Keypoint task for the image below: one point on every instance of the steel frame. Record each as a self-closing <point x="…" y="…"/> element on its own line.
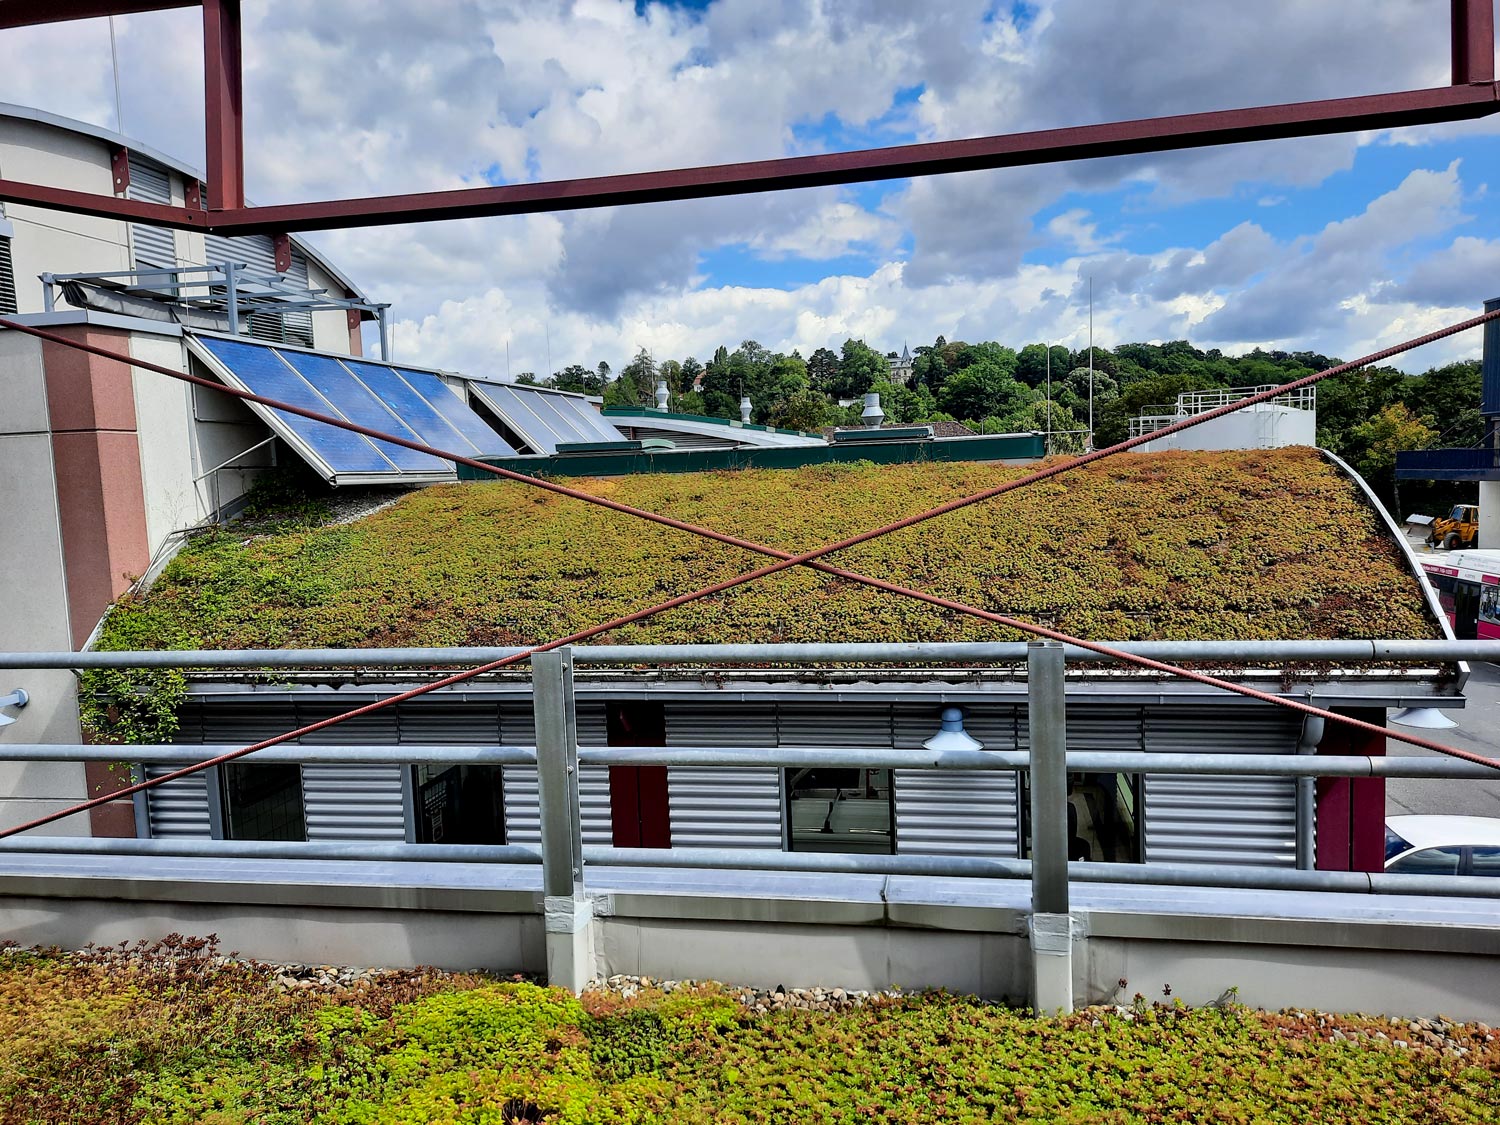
<point x="1472" y="93"/>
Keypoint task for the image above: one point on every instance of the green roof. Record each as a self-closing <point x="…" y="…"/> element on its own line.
<point x="1249" y="545"/>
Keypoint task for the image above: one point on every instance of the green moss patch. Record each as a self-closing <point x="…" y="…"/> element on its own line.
<point x="174" y="1037"/>
<point x="1257" y="545"/>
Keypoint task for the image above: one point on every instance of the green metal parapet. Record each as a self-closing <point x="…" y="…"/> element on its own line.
<point x="992" y="447"/>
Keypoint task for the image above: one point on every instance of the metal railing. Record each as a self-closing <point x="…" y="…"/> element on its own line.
<point x="557" y="755"/>
<point x="1189" y="403"/>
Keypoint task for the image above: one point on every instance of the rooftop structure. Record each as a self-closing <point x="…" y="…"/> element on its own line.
<point x="1285" y="420"/>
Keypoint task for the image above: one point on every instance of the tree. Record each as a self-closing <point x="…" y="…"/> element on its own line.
<point x="823" y="370"/>
<point x="579" y="379"/>
<point x="528" y="379"/>
<point x="691" y="370"/>
<point x="721" y="396"/>
<point x="640" y="373"/>
<point x="859" y="366"/>
<point x="901" y="404"/>
<point x="805" y="410"/>
<point x="982" y="389"/>
<point x="671" y="371"/>
<point x="1031" y="363"/>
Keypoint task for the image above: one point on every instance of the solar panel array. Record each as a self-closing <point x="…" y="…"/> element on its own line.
<point x="543" y="418"/>
<point x="415" y="405"/>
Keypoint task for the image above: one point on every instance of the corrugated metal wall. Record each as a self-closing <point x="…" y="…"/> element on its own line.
<point x="1235" y="820"/>
<point x="522" y="811"/>
<point x="154" y="247"/>
<point x="957" y="812"/>
<point x="258" y="252"/>
<point x="1243" y="820"/>
<point x="713" y="807"/>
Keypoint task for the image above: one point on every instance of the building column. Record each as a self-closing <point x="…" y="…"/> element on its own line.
<point x="1489" y="514"/>
<point x="1351" y="810"/>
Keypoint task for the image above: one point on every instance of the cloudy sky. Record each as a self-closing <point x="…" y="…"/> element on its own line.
<point x="1339" y="245"/>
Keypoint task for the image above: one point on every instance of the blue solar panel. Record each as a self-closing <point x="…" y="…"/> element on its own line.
<point x="262" y="372"/>
<point x="457" y="412"/>
<point x="356" y="403"/>
<point x="419" y="414"/>
<point x="545" y="418"/>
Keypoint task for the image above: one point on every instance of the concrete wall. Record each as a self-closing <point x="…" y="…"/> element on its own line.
<point x="50" y="241"/>
<point x="1489" y="514"/>
<point x="34" y="616"/>
<point x="330" y="326"/>
<point x="1258" y="427"/>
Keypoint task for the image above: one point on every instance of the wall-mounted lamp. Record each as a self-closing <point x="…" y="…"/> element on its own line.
<point x="1429" y="718"/>
<point x="951" y="735"/>
<point x="17" y="699"/>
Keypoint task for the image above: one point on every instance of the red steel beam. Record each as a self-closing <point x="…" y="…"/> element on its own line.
<point x="223" y="104"/>
<point x="105" y="206"/>
<point x="1121" y="138"/>
<point x="25" y="13"/>
<point x="1473" y="41"/>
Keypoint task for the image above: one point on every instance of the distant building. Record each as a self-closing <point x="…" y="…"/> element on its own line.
<point x="901" y="366"/>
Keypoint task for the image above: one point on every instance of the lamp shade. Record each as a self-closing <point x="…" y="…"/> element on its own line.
<point x="951" y="735"/>
<point x="1428" y="718"/>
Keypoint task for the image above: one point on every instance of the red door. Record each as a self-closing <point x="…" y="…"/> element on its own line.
<point x="639" y="817"/>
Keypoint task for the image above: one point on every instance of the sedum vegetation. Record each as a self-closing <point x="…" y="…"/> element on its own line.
<point x="173" y="1035"/>
<point x="1167" y="546"/>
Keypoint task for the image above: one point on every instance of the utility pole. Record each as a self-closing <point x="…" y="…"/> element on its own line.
<point x="1091" y="365"/>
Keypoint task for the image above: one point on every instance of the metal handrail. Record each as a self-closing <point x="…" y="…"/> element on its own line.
<point x="930" y="652"/>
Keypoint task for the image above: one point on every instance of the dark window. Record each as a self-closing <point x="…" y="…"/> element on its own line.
<point x="1429" y="861"/>
<point x="263" y="802"/>
<point x="1103" y="817"/>
<point x="459" y="805"/>
<point x="1486" y="861"/>
<point x="1394" y="845"/>
<point x="840" y="810"/>
<point x="7" y="279"/>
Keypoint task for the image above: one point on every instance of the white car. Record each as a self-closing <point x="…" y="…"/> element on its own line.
<point x="1442" y="845"/>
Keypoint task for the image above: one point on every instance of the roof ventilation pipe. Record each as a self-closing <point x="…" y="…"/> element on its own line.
<point x="951" y="735"/>
<point x="745" y="409"/>
<point x="661" y="395"/>
<point x="872" y="415"/>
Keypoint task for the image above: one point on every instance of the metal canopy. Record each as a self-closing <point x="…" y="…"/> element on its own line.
<point x="544" y="418"/>
<point x="415" y="405"/>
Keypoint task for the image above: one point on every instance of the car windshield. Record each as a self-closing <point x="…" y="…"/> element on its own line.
<point x="1394" y="845"/>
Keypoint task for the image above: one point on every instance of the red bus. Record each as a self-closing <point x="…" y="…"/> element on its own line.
<point x="1468" y="586"/>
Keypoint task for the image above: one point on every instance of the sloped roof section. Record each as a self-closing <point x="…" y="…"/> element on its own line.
<point x="1260" y="545"/>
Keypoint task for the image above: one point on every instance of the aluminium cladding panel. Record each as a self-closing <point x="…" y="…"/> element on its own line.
<point x="958" y="812"/>
<point x="522" y="806"/>
<point x="153" y="247"/>
<point x="682" y="439"/>
<point x="723" y="806"/>
<point x="1222" y="820"/>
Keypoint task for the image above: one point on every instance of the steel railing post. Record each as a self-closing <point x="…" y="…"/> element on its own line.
<point x="1051" y="923"/>
<point x="569" y="915"/>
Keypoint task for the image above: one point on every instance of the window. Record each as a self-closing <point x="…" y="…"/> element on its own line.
<point x="840" y="810"/>
<point x="459" y="804"/>
<point x="1429" y="861"/>
<point x="1485" y="861"/>
<point x="1489" y="604"/>
<point x="263" y="802"/>
<point x="1103" y="817"/>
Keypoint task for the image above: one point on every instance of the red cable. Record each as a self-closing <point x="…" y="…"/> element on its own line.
<point x="787" y="560"/>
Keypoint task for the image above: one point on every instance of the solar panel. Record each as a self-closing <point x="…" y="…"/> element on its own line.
<point x="544" y="418"/>
<point x="260" y="370"/>
<point x="356" y="402"/>
<point x="404" y="403"/>
<point x="457" y="413"/>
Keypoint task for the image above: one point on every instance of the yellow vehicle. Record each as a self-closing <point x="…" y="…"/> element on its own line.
<point x="1459" y="528"/>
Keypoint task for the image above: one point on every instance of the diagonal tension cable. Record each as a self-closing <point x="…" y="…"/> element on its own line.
<point x="787" y="559"/>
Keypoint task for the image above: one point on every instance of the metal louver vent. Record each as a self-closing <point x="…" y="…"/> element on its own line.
<point x="179" y="808"/>
<point x="7" y="279"/>
<point x="522" y="807"/>
<point x="717" y="806"/>
<point x="154" y="247"/>
<point x="957" y="812"/>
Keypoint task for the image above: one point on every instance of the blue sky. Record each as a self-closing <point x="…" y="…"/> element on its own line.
<point x="1339" y="244"/>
